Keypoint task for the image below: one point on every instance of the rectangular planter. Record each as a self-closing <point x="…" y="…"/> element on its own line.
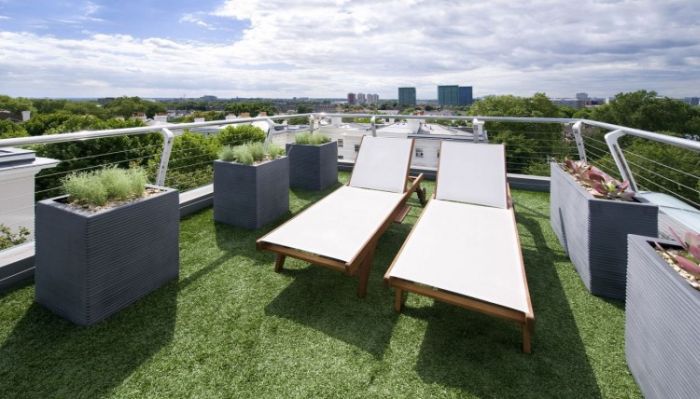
<point x="251" y="196"/>
<point x="313" y="167"/>
<point x="594" y="232"/>
<point x="90" y="265"/>
<point x="662" y="316"/>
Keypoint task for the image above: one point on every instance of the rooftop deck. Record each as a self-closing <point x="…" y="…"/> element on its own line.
<point x="231" y="327"/>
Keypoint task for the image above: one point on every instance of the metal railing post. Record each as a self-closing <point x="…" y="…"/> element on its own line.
<point x="168" y="140"/>
<point x="478" y="128"/>
<point x="620" y="161"/>
<point x="270" y="128"/>
<point x="577" y="128"/>
<point x="373" y="124"/>
<point x="312" y="122"/>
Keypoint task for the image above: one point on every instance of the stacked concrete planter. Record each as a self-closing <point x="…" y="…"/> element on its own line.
<point x="661" y="325"/>
<point x="90" y="265"/>
<point x="594" y="232"/>
<point x="313" y="167"/>
<point x="251" y="196"/>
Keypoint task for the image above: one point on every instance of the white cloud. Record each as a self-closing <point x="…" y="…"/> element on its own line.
<point x="194" y="19"/>
<point x="4" y="17"/>
<point x="324" y="48"/>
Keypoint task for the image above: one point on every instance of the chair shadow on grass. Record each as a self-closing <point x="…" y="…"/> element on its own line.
<point x="45" y="356"/>
<point x="327" y="301"/>
<point x="481" y="354"/>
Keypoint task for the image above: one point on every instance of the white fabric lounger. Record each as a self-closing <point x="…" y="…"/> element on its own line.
<point x="341" y="230"/>
<point x="465" y="248"/>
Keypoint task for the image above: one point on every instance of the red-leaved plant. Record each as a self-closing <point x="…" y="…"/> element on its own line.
<point x="601" y="184"/>
<point x="690" y="260"/>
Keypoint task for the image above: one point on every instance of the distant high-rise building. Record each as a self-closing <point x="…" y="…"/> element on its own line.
<point x="448" y="95"/>
<point x="582" y="96"/>
<point x="351" y="98"/>
<point x="372" y="99"/>
<point x="465" y="95"/>
<point x="692" y="100"/>
<point x="407" y="96"/>
<point x="361" y="99"/>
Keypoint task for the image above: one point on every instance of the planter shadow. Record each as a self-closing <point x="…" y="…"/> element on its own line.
<point x="594" y="232"/>
<point x="45" y="356"/>
<point x="481" y="355"/>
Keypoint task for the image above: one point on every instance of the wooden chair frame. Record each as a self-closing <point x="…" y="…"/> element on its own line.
<point x="526" y="320"/>
<point x="361" y="263"/>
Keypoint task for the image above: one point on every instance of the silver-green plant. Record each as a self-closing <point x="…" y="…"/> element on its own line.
<point x="250" y="153"/>
<point x="275" y="151"/>
<point x="227" y="154"/>
<point x="257" y="150"/>
<point x="106" y="185"/>
<point x="311" y="139"/>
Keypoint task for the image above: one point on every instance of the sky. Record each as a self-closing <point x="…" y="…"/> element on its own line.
<point x="327" y="48"/>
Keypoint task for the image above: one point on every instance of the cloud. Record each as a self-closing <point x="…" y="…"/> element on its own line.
<point x="325" y="48"/>
<point x="4" y="18"/>
<point x="197" y="20"/>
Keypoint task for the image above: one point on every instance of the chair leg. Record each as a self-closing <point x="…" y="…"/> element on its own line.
<point x="279" y="263"/>
<point x="398" y="299"/>
<point x="527" y="336"/>
<point x="363" y="274"/>
<point x="421" y="195"/>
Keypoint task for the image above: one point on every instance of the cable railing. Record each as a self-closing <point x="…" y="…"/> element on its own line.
<point x="531" y="143"/>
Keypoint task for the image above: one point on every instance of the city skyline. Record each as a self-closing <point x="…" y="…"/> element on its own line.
<point x="276" y="49"/>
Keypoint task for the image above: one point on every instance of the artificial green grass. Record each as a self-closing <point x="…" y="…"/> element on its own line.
<point x="231" y="327"/>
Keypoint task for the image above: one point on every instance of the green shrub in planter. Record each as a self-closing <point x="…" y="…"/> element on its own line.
<point x="313" y="162"/>
<point x="109" y="242"/>
<point x="251" y="185"/>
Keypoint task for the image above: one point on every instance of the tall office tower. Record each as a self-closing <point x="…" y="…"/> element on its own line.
<point x="448" y="95"/>
<point x="465" y="95"/>
<point x="351" y="98"/>
<point x="407" y="96"/>
<point x="361" y="99"/>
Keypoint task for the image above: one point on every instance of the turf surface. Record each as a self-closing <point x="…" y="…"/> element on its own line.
<point x="231" y="327"/>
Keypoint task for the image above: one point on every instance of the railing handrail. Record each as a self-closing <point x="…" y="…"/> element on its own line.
<point x="96" y="134"/>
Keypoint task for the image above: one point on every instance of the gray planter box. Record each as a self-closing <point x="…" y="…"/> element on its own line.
<point x="594" y="232"/>
<point x="661" y="325"/>
<point x="251" y="196"/>
<point x="90" y="265"/>
<point x="313" y="167"/>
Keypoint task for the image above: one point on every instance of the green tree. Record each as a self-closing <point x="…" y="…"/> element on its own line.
<point x="16" y="105"/>
<point x="529" y="145"/>
<point x="646" y="110"/>
<point x="253" y="108"/>
<point x="127" y="106"/>
<point x="9" y="129"/>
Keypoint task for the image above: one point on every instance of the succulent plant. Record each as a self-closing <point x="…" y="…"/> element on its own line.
<point x="576" y="168"/>
<point x="603" y="185"/>
<point x="609" y="187"/>
<point x="690" y="261"/>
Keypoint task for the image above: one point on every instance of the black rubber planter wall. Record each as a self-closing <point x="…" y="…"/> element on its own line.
<point x="251" y="196"/>
<point x="661" y="325"/>
<point x="313" y="167"/>
<point x="594" y="232"/>
<point x="91" y="265"/>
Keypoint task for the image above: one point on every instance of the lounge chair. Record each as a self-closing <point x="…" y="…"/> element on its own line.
<point x="464" y="249"/>
<point x="341" y="231"/>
